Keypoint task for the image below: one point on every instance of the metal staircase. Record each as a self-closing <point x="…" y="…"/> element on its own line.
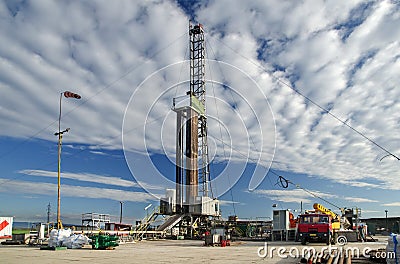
<point x="170" y="222"/>
<point x="141" y="229"/>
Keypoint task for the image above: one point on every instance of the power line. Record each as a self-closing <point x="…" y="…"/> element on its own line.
<point x="103" y="144"/>
<point x="283" y="182"/>
<point x="112" y="83"/>
<point x="238" y="109"/>
<point x="281" y="178"/>
<point x="313" y="102"/>
<point x="223" y="145"/>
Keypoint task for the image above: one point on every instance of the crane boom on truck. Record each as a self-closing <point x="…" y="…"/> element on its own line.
<point x="335" y="217"/>
<point x="322" y="209"/>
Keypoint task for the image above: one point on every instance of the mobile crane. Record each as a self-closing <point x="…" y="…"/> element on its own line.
<point x="324" y="225"/>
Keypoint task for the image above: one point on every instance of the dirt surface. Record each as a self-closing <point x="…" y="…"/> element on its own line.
<point x="171" y="251"/>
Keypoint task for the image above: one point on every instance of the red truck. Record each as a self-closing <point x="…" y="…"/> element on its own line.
<point x="314" y="227"/>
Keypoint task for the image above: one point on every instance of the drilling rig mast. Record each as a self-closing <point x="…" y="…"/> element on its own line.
<point x="192" y="180"/>
<point x="198" y="91"/>
<point x="191" y="198"/>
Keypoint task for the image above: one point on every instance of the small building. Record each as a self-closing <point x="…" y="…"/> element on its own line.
<point x="382" y="225"/>
<point x="284" y="225"/>
<point x="95" y="221"/>
<point x="118" y="227"/>
<point x="6" y="224"/>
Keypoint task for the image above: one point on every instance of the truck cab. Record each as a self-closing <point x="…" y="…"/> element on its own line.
<point x="315" y="227"/>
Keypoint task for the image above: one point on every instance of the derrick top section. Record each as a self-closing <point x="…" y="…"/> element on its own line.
<point x="197" y="88"/>
<point x="197" y="63"/>
<point x="196" y="29"/>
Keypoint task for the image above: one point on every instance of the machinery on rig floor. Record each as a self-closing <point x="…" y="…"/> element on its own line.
<point x="324" y="225"/>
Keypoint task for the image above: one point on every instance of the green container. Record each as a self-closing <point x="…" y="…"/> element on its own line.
<point x="104" y="241"/>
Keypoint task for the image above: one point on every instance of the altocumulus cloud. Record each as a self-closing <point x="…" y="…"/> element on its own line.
<point x="104" y="50"/>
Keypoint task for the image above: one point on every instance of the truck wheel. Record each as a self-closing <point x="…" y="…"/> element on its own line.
<point x="303" y="241"/>
<point x="334" y="238"/>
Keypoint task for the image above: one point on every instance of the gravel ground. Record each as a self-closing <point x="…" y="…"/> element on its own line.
<point x="171" y="251"/>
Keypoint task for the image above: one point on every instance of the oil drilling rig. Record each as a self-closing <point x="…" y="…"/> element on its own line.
<point x="191" y="205"/>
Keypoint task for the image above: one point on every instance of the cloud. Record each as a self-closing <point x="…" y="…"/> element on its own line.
<point x="95" y="52"/>
<point x="99" y="153"/>
<point x="104" y="51"/>
<point x="359" y="184"/>
<point x="392" y="204"/>
<point x="291" y="196"/>
<point x="34" y="188"/>
<point x="337" y="74"/>
<point x="227" y="202"/>
<point x="360" y="200"/>
<point x="370" y="211"/>
<point x="89" y="177"/>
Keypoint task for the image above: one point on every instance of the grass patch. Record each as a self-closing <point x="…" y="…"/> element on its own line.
<point x="20" y="231"/>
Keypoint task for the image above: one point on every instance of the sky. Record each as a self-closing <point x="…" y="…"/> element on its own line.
<point x="306" y="90"/>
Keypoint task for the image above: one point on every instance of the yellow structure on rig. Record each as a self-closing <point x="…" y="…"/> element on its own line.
<point x="335" y="217"/>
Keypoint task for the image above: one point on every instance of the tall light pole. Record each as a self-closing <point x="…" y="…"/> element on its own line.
<point x="120" y="213"/>
<point x="386" y="211"/>
<point x="67" y="94"/>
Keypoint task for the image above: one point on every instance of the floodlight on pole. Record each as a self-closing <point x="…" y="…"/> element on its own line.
<point x="146" y="208"/>
<point x="60" y="133"/>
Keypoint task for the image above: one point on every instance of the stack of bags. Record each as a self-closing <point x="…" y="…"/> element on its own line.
<point x="65" y="238"/>
<point x="57" y="236"/>
<point x="76" y="241"/>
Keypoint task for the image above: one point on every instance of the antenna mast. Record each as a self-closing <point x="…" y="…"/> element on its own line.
<point x="48" y="212"/>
